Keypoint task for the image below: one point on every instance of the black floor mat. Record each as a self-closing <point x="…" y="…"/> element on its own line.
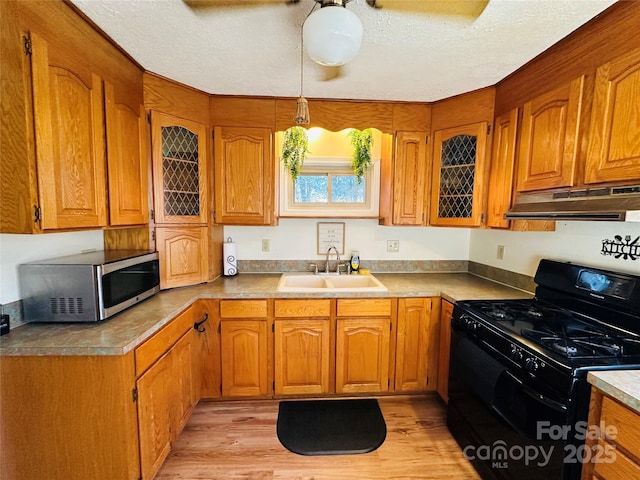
<point x="331" y="427"/>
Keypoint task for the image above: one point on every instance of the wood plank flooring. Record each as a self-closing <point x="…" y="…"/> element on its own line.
<point x="237" y="440"/>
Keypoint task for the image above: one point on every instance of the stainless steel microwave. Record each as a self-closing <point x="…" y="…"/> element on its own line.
<point x="88" y="287"/>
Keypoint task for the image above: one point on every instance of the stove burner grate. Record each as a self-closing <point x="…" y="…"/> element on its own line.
<point x="600" y="345"/>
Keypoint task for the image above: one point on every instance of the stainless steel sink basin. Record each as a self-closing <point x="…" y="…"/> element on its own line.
<point x="305" y="282"/>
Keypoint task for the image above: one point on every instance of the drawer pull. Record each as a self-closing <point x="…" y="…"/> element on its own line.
<point x="198" y="325"/>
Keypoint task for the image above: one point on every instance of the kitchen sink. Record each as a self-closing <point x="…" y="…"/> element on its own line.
<point x="305" y="282"/>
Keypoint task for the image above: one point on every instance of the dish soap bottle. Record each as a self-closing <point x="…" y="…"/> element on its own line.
<point x="355" y="262"/>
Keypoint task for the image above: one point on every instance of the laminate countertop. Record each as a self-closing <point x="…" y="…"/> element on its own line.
<point x="123" y="332"/>
<point x="623" y="385"/>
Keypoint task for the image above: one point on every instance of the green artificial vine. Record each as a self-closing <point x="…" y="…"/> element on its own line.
<point x="361" y="141"/>
<point x="295" y="148"/>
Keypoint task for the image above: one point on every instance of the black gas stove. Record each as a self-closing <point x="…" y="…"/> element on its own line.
<point x="565" y="336"/>
<point x="518" y="367"/>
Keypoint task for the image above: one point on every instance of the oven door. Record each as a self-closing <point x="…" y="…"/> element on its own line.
<point x="495" y="416"/>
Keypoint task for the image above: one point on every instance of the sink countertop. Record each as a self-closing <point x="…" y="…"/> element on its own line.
<point x="123" y="332"/>
<point x="623" y="385"/>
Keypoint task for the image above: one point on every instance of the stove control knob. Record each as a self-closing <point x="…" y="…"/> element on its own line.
<point x="516" y="353"/>
<point x="531" y="364"/>
<point x="468" y="322"/>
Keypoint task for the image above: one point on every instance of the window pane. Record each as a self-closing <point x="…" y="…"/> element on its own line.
<point x="345" y="189"/>
<point x="311" y="189"/>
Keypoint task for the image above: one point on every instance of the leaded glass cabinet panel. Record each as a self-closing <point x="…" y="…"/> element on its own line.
<point x="179" y="168"/>
<point x="459" y="175"/>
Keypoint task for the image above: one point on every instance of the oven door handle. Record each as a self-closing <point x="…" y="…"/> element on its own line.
<point x="538" y="396"/>
<point x="506" y="420"/>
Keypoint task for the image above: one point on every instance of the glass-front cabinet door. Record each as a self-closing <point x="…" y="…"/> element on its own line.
<point x="179" y="169"/>
<point x="459" y="175"/>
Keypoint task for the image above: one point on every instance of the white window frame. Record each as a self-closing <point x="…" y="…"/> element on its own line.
<point x="336" y="166"/>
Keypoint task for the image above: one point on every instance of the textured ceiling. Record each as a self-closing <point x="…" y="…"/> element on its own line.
<point x="404" y="56"/>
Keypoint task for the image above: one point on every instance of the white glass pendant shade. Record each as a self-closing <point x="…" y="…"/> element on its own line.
<point x="332" y="36"/>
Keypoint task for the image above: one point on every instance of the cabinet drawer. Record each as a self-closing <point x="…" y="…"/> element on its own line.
<point x="243" y="308"/>
<point x="625" y="421"/>
<point x="360" y="307"/>
<point x="147" y="353"/>
<point x="622" y="468"/>
<point x="303" y="308"/>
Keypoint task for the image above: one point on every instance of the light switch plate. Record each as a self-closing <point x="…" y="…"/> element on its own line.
<point x="393" y="245"/>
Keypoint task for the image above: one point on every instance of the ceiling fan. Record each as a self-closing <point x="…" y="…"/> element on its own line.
<point x="332" y="34"/>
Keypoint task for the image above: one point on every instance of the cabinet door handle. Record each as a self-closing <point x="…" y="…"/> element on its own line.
<point x="198" y="325"/>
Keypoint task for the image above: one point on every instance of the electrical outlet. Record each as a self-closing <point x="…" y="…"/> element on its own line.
<point x="500" y="252"/>
<point x="393" y="245"/>
<point x="266" y="245"/>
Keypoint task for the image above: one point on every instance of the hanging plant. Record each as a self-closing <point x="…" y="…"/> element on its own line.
<point x="361" y="141"/>
<point x="295" y="148"/>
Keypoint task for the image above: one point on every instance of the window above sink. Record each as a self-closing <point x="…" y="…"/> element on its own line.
<point x="326" y="185"/>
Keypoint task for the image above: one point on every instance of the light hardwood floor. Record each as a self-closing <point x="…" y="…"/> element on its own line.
<point x="237" y="440"/>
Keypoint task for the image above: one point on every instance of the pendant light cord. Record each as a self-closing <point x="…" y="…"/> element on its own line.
<point x="315" y="4"/>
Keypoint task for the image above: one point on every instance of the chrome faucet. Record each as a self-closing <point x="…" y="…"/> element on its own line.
<point x="326" y="265"/>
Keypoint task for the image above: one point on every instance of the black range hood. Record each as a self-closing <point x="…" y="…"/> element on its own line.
<point x="617" y="204"/>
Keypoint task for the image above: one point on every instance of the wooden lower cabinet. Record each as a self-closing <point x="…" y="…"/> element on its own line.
<point x="319" y="347"/>
<point x="362" y="355"/>
<point x="415" y="346"/>
<point x="165" y="391"/>
<point x="206" y="350"/>
<point x="165" y="401"/>
<point x="614" y="453"/>
<point x="182" y="383"/>
<point x="68" y="417"/>
<point x="153" y="416"/>
<point x="363" y="329"/>
<point x="244" y="358"/>
<point x="302" y="347"/>
<point x="446" y="311"/>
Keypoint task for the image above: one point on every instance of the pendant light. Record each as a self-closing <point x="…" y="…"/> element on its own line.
<point x="302" y="106"/>
<point x="332" y="34"/>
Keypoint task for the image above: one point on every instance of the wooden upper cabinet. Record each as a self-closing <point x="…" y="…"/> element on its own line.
<point x="127" y="161"/>
<point x="70" y="145"/>
<point x="244" y="176"/>
<point x="549" y="141"/>
<point x="179" y="169"/>
<point x="614" y="146"/>
<point x="183" y="253"/>
<point x="410" y="179"/>
<point x="501" y="175"/>
<point x="459" y="175"/>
